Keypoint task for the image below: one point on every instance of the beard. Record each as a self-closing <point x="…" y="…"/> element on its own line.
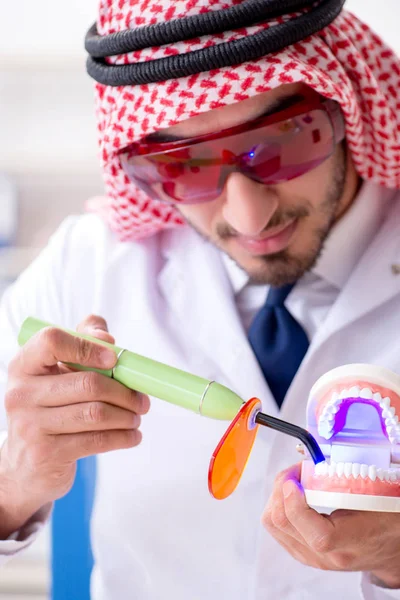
<point x="283" y="267"/>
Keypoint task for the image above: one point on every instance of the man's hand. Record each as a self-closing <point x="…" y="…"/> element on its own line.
<point x="344" y="541"/>
<point x="57" y="415"/>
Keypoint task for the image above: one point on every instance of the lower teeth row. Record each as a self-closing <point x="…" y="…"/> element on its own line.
<point x="356" y="470"/>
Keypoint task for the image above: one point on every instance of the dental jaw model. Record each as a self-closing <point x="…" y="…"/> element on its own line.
<point x="353" y="413"/>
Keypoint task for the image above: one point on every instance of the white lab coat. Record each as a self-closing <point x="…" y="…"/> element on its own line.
<point x="157" y="532"/>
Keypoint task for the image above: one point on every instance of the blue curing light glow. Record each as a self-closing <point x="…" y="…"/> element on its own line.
<point x="317" y="454"/>
<point x="252" y="154"/>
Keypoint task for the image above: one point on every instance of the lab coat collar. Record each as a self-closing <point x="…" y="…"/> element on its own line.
<point x="198" y="290"/>
<point x="374" y="280"/>
<point x="350" y="236"/>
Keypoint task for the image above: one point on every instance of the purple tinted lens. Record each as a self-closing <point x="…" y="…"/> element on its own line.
<point x="271" y="154"/>
<point x="190" y="194"/>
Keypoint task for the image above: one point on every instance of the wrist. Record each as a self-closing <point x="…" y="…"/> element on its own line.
<point x="16" y="508"/>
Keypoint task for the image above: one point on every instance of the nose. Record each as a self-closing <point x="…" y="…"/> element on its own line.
<point x="248" y="205"/>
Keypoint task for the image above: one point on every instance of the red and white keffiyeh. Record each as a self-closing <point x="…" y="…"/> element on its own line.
<point x="346" y="62"/>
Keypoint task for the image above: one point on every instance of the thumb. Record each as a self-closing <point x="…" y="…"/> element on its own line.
<point x="96" y="327"/>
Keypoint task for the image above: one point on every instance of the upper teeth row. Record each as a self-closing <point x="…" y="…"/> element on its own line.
<point x="356" y="469"/>
<point x="326" y="424"/>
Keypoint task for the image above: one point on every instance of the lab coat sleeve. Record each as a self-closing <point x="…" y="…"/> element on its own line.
<point x="24" y="537"/>
<point x="374" y="592"/>
<point x="37" y="292"/>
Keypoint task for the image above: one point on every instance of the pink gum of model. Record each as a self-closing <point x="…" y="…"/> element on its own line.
<point x="353" y="413"/>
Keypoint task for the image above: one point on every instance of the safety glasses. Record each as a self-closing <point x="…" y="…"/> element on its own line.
<point x="233" y="451"/>
<point x="269" y="150"/>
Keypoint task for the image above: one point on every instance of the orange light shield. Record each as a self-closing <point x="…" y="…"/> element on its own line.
<point x="232" y="453"/>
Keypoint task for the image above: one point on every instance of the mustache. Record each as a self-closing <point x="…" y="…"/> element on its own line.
<point x="225" y="231"/>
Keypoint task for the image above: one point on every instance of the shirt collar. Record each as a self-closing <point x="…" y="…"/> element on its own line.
<point x="345" y="244"/>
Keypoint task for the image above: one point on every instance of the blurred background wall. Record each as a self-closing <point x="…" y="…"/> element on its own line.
<point x="48" y="152"/>
<point x="46" y="112"/>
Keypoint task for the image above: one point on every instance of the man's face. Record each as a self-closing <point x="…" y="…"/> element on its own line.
<point x="274" y="232"/>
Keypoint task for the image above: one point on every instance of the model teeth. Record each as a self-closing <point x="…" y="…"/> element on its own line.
<point x="387" y="413"/>
<point x="356" y="470"/>
<point x="326" y="424"/>
<point x="354" y="392"/>
<point x="340" y="469"/>
<point x="347" y="470"/>
<point x="392" y="420"/>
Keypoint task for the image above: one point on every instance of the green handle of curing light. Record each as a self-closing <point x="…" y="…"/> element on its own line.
<point x="210" y="399"/>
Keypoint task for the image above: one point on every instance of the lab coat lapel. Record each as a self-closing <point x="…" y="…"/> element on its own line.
<point x="374" y="281"/>
<point x="196" y="287"/>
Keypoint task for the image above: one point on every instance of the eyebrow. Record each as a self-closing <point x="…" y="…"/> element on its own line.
<point x="278" y="105"/>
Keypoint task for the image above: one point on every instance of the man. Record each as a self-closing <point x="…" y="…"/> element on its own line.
<point x="254" y="157"/>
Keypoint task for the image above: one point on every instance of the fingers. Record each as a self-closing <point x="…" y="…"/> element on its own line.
<point x="81" y="445"/>
<point x="289" y="519"/>
<point x="44" y="350"/>
<point x="274" y="517"/>
<point x="317" y="530"/>
<point x="86" y="386"/>
<point x="344" y="541"/>
<point x="88" y="416"/>
<point x="96" y="327"/>
<point x="298" y="551"/>
<point x="58" y="414"/>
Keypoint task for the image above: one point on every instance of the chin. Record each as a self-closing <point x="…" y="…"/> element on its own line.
<point x="283" y="268"/>
<point x="255" y="267"/>
<point x="276" y="270"/>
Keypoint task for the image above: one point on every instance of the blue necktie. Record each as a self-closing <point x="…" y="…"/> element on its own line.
<point x="278" y="341"/>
